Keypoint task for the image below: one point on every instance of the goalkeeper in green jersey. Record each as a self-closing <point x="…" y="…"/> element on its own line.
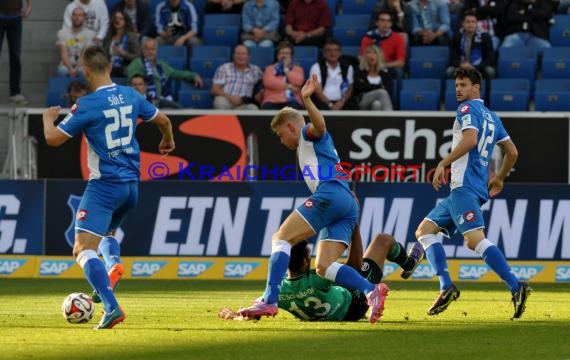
<point x="310" y="297"/>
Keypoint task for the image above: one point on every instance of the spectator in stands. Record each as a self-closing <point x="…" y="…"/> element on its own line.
<point x="527" y="23"/>
<point x="177" y="23"/>
<point x="472" y="47"/>
<point x="158" y="73"/>
<point x="121" y="43"/>
<point x="336" y="77"/>
<point x="72" y="41"/>
<point x="563" y="7"/>
<point x="260" y="22"/>
<point x="372" y="83"/>
<point x="235" y="82"/>
<point x="138" y="12"/>
<point x="431" y="23"/>
<point x="400" y="13"/>
<point x="11" y="14"/>
<point x="282" y="81"/>
<point x="307" y="22"/>
<point x="75" y="90"/>
<point x="96" y="17"/>
<point x="224" y="6"/>
<point x="138" y="82"/>
<point x="393" y="48"/>
<point x="490" y="14"/>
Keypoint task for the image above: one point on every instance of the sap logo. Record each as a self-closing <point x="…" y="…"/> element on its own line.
<point x="472" y="272"/>
<point x="388" y="269"/>
<point x="239" y="269"/>
<point x="192" y="269"/>
<point x="9" y="266"/>
<point x="55" y="267"/>
<point x="563" y="273"/>
<point x="146" y="268"/>
<point x="526" y="272"/>
<point x="423" y="272"/>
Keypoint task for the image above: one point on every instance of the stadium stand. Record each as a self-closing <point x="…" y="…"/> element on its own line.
<point x="420" y="94"/>
<point x="510" y="94"/>
<point x="552" y="95"/>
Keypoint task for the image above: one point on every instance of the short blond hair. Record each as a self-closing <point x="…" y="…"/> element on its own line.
<point x="284" y="115"/>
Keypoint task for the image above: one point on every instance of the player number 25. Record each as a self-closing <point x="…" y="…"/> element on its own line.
<point x="121" y="119"/>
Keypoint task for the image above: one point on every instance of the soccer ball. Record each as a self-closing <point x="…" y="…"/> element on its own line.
<point x="77" y="308"/>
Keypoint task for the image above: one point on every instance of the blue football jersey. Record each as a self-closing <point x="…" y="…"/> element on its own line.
<point x="318" y="160"/>
<point x="108" y="118"/>
<point x="472" y="169"/>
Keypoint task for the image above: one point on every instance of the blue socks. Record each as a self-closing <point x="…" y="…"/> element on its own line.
<point x="97" y="276"/>
<point x="111" y="251"/>
<point x="436" y="257"/>
<point x="349" y="278"/>
<point x="278" y="263"/>
<point x="497" y="262"/>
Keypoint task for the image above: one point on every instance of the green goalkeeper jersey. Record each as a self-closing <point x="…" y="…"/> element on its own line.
<point x="312" y="298"/>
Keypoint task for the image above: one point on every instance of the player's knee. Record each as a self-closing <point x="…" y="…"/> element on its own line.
<point x="384" y="240"/>
<point x="321" y="268"/>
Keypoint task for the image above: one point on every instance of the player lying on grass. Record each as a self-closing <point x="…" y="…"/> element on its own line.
<point x="310" y="297"/>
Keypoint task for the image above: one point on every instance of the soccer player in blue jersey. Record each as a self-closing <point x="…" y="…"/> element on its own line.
<point x="476" y="130"/>
<point x="108" y="118"/>
<point x="331" y="211"/>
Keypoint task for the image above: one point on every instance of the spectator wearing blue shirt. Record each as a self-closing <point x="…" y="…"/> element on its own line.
<point x="177" y="23"/>
<point x="260" y="22"/>
<point x="430" y="22"/>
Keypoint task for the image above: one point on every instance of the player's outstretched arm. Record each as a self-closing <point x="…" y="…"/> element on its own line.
<point x="317" y="127"/>
<point x="509" y="160"/>
<point x="54" y="136"/>
<point x="166" y="145"/>
<point x="468" y="142"/>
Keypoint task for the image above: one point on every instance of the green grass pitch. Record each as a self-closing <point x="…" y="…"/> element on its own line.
<point x="178" y="320"/>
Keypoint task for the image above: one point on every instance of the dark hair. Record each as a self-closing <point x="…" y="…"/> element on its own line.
<point x="129" y="26"/>
<point x="383" y="12"/>
<point x="283" y="45"/>
<point x="299" y="253"/>
<point x="138" y="76"/>
<point x="95" y="58"/>
<point x="470" y="73"/>
<point x="468" y="13"/>
<point x="332" y="41"/>
<point x="76" y="85"/>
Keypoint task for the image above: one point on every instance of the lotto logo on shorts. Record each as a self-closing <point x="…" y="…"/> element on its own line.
<point x="469" y="216"/>
<point x="309" y="203"/>
<point x="82" y="214"/>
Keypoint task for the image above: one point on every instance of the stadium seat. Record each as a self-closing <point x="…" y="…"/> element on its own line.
<point x="196" y="99"/>
<point x="351" y="50"/>
<point x="552" y="95"/>
<point x="351" y="19"/>
<point x="420" y="94"/>
<point x="559" y="35"/>
<point x="262" y="56"/>
<point x="561" y="20"/>
<point x="306" y="64"/>
<point x="509" y="94"/>
<point x="428" y="61"/>
<point x="212" y="52"/>
<point x="518" y="62"/>
<point x="222" y="20"/>
<point x="332" y="5"/>
<point x="306" y="52"/>
<point x="58" y="82"/>
<point x="56" y="97"/>
<point x="358" y="7"/>
<point x="170" y="51"/>
<point x="349" y="35"/>
<point x="556" y="63"/>
<point x="206" y="67"/>
<point x="221" y="35"/>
